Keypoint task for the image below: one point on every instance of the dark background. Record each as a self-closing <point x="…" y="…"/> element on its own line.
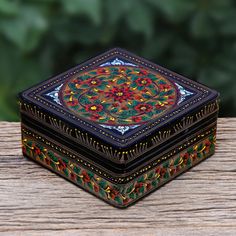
<point x="41" y="38"/>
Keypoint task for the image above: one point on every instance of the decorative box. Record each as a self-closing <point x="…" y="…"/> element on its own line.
<point x="118" y="126"/>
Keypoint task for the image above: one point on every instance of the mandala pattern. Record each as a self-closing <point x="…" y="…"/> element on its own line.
<point x="118" y="95"/>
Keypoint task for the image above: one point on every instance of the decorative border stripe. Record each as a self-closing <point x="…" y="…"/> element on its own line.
<point x="116" y="194"/>
<point x="114" y="177"/>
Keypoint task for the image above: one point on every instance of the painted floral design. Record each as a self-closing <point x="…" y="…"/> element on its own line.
<point x="120" y="195"/>
<point x="118" y="95"/>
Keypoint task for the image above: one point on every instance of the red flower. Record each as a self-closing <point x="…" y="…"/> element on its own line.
<point x="194" y="157"/>
<point x="24" y="149"/>
<point x="159" y="107"/>
<point x="95" y="117"/>
<point x="61" y="165"/>
<point x="96" y="188"/>
<point x="138" y="97"/>
<point x="143" y="81"/>
<point x="94" y="97"/>
<point x="93" y="82"/>
<point x="185" y="158"/>
<point x="48" y="161"/>
<point x="164" y="86"/>
<point x="67" y="91"/>
<point x="94" y="108"/>
<point x="207" y="143"/>
<point x="113" y="193"/>
<point x="72" y="176"/>
<point x="136" y="119"/>
<point x="76" y="81"/>
<point x="172" y="170"/>
<point x="122" y="69"/>
<point x="162" y="172"/>
<point x="143" y="72"/>
<point x="148" y="187"/>
<point x="170" y="102"/>
<point x="137" y="187"/>
<point x="37" y="150"/>
<point x="101" y="71"/>
<point x="120" y="94"/>
<point x="111" y="122"/>
<point x="85" y="177"/>
<point x="158" y="169"/>
<point x="125" y="201"/>
<point x="143" y="107"/>
<point x="124" y="108"/>
<point x="73" y="103"/>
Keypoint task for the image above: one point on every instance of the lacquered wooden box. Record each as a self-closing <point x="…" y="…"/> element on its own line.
<point x="118" y="126"/>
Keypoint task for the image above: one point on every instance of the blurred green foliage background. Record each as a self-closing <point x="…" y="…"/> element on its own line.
<point x="41" y="38"/>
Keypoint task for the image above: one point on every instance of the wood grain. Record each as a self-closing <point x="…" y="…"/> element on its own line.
<point x="34" y="201"/>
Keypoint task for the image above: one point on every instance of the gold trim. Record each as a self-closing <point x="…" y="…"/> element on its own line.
<point x="116" y="154"/>
<point x="210" y="129"/>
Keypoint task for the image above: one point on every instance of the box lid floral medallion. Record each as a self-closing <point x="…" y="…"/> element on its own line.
<point x="118" y="97"/>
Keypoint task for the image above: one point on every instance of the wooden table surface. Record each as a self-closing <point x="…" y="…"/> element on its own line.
<point x="34" y="201"/>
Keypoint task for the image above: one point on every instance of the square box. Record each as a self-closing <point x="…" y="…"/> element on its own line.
<point x="118" y="126"/>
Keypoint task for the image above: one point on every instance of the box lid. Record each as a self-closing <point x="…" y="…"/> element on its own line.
<point x="119" y="99"/>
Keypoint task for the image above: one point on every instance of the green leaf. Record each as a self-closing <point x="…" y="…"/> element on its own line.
<point x="144" y="118"/>
<point x="140" y="19"/>
<point x="190" y="150"/>
<point x="132" y="195"/>
<point x="121" y="81"/>
<point x="151" y="175"/>
<point x="118" y="200"/>
<point x="66" y="172"/>
<point x="64" y="159"/>
<point x="85" y="100"/>
<point x="55" y="159"/>
<point x="129" y="189"/>
<point x="8" y="7"/>
<point x="166" y="164"/>
<point x="90" y="8"/>
<point x="79" y="180"/>
<point x="90" y="185"/>
<point x="174" y="11"/>
<point x="142" y="189"/>
<point x="120" y="12"/>
<point x="53" y="165"/>
<point x="102" y="193"/>
<point x="91" y="175"/>
<point x="103" y="184"/>
<point x="202" y="26"/>
<point x="26" y="29"/>
<point x="176" y="162"/>
<point x="140" y="179"/>
<point x="200" y="146"/>
<point x="114" y="110"/>
<point x="189" y="162"/>
<point x="76" y="169"/>
<point x="154" y="183"/>
<point x="166" y="175"/>
<point x="41" y="157"/>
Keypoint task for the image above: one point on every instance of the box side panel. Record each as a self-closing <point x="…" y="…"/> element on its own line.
<point x="119" y="195"/>
<point x="119" y="156"/>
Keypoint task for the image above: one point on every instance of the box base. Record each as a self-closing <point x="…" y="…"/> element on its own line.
<point x="120" y="195"/>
